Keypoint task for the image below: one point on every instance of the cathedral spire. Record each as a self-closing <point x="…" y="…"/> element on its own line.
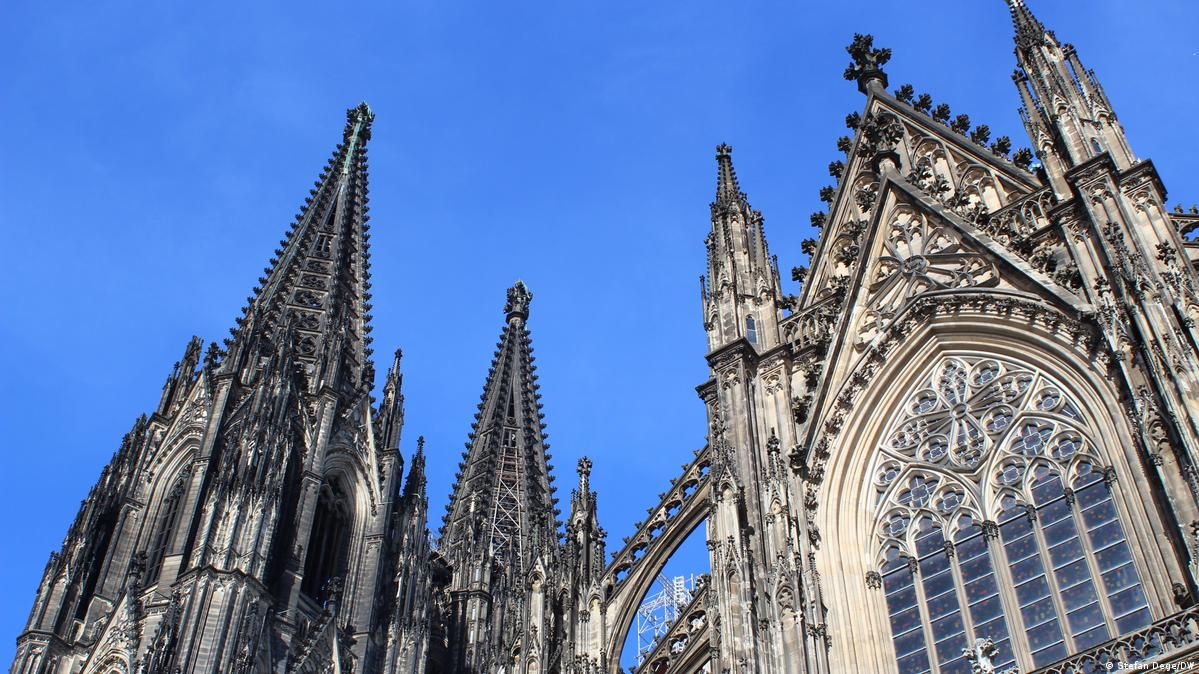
<point x="1066" y="113"/>
<point x="501" y="515"/>
<point x="314" y="299"/>
<point x="728" y="192"/>
<point x="504" y="490"/>
<point x="741" y="271"/>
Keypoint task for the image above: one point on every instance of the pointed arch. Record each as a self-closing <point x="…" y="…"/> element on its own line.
<point x="922" y="484"/>
<point x="167" y="516"/>
<point x="329" y="537"/>
<point x="170" y="512"/>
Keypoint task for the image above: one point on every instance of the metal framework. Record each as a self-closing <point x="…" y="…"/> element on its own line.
<point x="660" y="610"/>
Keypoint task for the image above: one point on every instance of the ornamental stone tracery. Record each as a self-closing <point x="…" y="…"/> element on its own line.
<point x="919" y="256"/>
<point x="967" y="439"/>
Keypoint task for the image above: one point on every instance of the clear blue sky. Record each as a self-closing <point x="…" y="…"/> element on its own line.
<point x="153" y="154"/>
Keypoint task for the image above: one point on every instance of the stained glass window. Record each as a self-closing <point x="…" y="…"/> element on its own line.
<point x="996" y="520"/>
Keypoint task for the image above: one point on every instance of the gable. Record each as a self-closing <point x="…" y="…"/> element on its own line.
<point x="949" y="169"/>
<point x="915" y="247"/>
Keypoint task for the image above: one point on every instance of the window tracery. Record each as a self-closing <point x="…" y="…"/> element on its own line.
<point x="996" y="520"/>
<point x="168" y="522"/>
<point x="328" y="541"/>
<point x="919" y="255"/>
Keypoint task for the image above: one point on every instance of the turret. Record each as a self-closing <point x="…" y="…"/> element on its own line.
<point x="1066" y="113"/>
<point x="742" y="295"/>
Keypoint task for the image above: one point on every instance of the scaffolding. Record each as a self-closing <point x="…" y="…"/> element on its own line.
<point x="660" y="610"/>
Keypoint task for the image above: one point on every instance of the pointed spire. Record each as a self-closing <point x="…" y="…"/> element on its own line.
<point x="391" y="410"/>
<point x="504" y="483"/>
<point x="1029" y="31"/>
<point x="728" y="192"/>
<point x="314" y="299"/>
<point x="414" y="486"/>
<point x="739" y="261"/>
<point x="1068" y="117"/>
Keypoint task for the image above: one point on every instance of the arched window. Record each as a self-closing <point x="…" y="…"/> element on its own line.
<point x="996" y="520"/>
<point x="751" y="330"/>
<point x="327" y="543"/>
<point x="168" y="521"/>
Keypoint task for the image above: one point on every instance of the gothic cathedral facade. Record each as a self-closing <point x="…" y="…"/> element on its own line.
<point x="968" y="445"/>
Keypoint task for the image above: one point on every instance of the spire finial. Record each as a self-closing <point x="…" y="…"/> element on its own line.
<point x="358" y="131"/>
<point x="584" y="469"/>
<point x="1029" y="31"/>
<point x="727" y="190"/>
<point x="358" y="121"/>
<point x="420" y="446"/>
<point x="867" y="64"/>
<point x="518" y="302"/>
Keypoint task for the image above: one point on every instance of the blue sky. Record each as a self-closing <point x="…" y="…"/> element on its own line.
<point x="154" y="153"/>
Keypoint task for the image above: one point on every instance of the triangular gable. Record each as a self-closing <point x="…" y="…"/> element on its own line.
<point x="948" y="166"/>
<point x="917" y="246"/>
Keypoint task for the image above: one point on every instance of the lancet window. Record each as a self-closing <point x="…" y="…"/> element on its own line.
<point x="168" y="522"/>
<point x="996" y="520"/>
<point x="327" y="544"/>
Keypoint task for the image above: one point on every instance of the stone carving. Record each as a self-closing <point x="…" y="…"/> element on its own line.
<point x="982" y="657"/>
<point x="968" y="415"/>
<point x="919" y="256"/>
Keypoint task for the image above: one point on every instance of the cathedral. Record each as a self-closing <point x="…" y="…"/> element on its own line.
<point x="968" y="445"/>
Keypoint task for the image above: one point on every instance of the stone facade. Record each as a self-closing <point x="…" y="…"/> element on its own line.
<point x="968" y="445"/>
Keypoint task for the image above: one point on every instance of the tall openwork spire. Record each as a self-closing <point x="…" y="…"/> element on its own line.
<point x="501" y="522"/>
<point x="503" y="497"/>
<point x="313" y="301"/>
<point x="1066" y="113"/>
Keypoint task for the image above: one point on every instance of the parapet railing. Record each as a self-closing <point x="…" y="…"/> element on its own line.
<point x="1171" y="640"/>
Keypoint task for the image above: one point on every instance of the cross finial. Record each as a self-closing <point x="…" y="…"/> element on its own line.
<point x="518" y="301"/>
<point x="584" y="469"/>
<point x="867" y="64"/>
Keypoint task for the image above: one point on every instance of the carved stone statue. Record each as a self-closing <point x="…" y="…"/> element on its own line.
<point x="982" y="658"/>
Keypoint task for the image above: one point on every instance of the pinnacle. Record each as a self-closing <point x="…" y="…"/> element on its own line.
<point x="1029" y="31"/>
<point x="517" y="305"/>
<point x="358" y="121"/>
<point x="584" y="470"/>
<point x="395" y="364"/>
<point x="728" y="191"/>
